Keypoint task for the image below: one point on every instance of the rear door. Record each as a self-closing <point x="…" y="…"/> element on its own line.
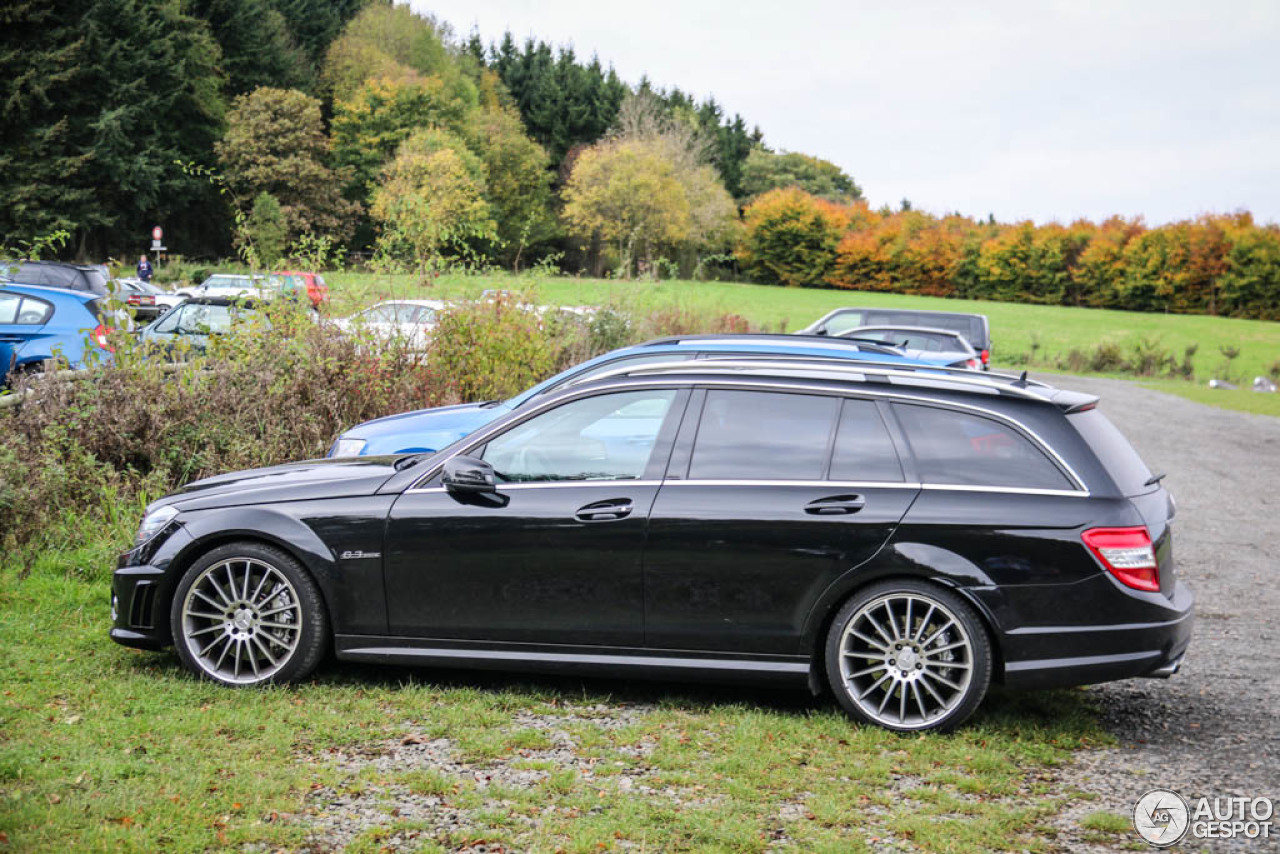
<point x="22" y="320"/>
<point x="770" y="497"/>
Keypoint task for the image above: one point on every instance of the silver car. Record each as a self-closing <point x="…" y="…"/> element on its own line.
<point x="918" y="342"/>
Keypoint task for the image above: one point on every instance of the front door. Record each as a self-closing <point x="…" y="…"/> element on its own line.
<point x="555" y="556"/>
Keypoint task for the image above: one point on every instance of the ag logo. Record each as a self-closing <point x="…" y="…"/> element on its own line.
<point x="1161" y="817"/>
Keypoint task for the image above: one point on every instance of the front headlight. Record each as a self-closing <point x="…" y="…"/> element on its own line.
<point x="153" y="523"/>
<point x="348" y="448"/>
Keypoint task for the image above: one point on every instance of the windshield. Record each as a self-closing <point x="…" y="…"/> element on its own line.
<point x="202" y="319"/>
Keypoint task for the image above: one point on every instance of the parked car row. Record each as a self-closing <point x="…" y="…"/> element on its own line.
<point x="64" y="313"/>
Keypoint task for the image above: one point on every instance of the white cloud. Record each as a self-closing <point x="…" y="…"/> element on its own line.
<point x="1041" y="110"/>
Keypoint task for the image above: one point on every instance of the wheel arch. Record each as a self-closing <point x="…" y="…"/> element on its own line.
<point x="824" y="614"/>
<point x="201" y="543"/>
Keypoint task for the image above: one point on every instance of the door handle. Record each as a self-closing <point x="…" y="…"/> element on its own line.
<point x="835" y="505"/>
<point x="605" y="511"/>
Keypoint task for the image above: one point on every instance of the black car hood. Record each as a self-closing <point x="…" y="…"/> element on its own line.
<point x="311" y="479"/>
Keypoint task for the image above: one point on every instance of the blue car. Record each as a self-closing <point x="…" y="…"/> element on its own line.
<point x="39" y="323"/>
<point x="433" y="429"/>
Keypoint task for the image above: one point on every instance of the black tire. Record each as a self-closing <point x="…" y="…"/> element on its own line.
<point x="918" y="648"/>
<point x="257" y="610"/>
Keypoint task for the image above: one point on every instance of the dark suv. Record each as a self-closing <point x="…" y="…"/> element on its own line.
<point x="902" y="535"/>
<point x="85" y="278"/>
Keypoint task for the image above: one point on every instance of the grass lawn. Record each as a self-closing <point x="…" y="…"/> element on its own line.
<point x="1014" y="327"/>
<point x="108" y="749"/>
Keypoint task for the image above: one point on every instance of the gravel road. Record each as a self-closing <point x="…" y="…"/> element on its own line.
<point x="1212" y="729"/>
<point x="1209" y="731"/>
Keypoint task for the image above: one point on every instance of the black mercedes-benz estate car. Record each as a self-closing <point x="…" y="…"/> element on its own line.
<point x="904" y="536"/>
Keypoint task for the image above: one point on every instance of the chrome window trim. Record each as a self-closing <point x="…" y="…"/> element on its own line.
<point x="836" y="484"/>
<point x="483" y="434"/>
<point x="829" y="484"/>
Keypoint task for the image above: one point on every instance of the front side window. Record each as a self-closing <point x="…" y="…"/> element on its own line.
<point x="380" y="314"/>
<point x="607" y="437"/>
<point x="843" y="322"/>
<point x="963" y="449"/>
<point x="751" y="435"/>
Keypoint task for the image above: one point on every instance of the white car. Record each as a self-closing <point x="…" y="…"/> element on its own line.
<point x="410" y="320"/>
<point x="231" y="286"/>
<point x="919" y="342"/>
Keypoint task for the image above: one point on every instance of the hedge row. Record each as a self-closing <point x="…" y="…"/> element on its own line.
<point x="1225" y="265"/>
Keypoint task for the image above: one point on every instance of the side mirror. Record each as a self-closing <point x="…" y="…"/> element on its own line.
<point x="468" y="475"/>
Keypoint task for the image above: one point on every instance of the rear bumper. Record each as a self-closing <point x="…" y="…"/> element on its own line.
<point x="1149" y="636"/>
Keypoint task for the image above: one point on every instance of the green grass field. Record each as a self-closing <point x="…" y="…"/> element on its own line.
<point x="103" y="748"/>
<point x="1015" y="328"/>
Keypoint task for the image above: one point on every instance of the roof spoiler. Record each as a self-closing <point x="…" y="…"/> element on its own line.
<point x="1074" y="401"/>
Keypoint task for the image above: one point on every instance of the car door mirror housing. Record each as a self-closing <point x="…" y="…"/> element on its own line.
<point x="468" y="475"/>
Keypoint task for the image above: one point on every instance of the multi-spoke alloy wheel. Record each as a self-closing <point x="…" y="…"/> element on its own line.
<point x="247" y="614"/>
<point x="908" y="656"/>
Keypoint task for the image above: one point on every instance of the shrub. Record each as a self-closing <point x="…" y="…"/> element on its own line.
<point x="791" y="237"/>
<point x="138" y="428"/>
<point x="493" y="349"/>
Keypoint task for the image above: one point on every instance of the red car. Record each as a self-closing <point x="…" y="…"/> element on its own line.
<point x="317" y="290"/>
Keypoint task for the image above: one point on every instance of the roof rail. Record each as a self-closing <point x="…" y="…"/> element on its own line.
<point x="854" y="370"/>
<point x="789" y="337"/>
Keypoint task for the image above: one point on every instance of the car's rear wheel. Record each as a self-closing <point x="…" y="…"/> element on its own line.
<point x="249" y="614"/>
<point x="908" y="656"/>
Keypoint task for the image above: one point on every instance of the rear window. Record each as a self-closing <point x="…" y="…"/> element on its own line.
<point x="958" y="448"/>
<point x="932" y="342"/>
<point x="1113" y="450"/>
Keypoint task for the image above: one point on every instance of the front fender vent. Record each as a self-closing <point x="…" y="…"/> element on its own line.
<point x="142" y="607"/>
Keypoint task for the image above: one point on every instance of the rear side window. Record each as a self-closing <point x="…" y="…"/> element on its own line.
<point x="962" y="449"/>
<point x="9" y="305"/>
<point x="32" y="312"/>
<point x="1113" y="450"/>
<point x="749" y="435"/>
<point x="863" y="449"/>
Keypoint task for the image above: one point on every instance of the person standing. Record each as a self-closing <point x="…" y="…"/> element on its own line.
<point x="144" y="269"/>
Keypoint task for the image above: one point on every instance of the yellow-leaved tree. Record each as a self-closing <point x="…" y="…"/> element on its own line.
<point x="431" y="202"/>
<point x="649" y="190"/>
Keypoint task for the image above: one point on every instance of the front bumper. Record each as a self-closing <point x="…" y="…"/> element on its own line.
<point x="142" y="588"/>
<point x="1147" y="634"/>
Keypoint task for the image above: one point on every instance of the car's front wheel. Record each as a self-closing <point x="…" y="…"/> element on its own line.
<point x="248" y="614"/>
<point x="908" y="656"/>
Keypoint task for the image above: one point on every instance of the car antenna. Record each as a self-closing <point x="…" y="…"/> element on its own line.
<point x="1020" y="382"/>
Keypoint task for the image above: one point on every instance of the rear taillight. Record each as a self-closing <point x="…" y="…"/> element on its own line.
<point x="986" y="357"/>
<point x="972" y="364"/>
<point x="1127" y="554"/>
<point x="101" y="339"/>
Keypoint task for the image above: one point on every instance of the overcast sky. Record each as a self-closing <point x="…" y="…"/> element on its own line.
<point x="1048" y="111"/>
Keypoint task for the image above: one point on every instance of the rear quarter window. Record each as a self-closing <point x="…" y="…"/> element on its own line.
<point x="963" y="449"/>
<point x="1114" y="451"/>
